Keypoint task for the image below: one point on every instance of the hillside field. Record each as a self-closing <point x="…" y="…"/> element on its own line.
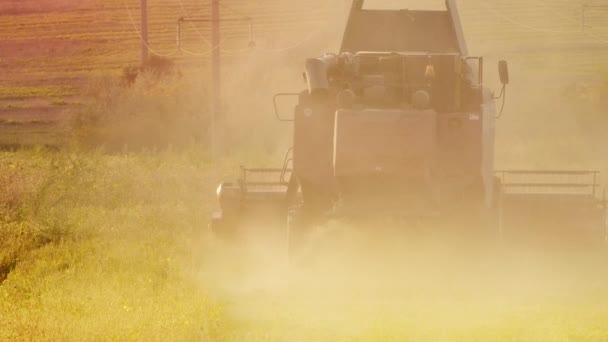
<point x="50" y="49"/>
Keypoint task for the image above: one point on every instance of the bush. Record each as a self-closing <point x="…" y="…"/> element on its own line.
<point x="159" y="109"/>
<point x="157" y="66"/>
<point x="154" y="106"/>
<point x="17" y="230"/>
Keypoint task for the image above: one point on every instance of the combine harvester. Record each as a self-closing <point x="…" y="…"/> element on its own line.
<point x="399" y="123"/>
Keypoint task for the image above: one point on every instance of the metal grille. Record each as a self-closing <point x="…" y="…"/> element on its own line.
<point x="550" y="182"/>
<point x="265" y="180"/>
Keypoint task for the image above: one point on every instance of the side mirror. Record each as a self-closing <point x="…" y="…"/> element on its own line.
<point x="503" y="71"/>
<point x="277" y="111"/>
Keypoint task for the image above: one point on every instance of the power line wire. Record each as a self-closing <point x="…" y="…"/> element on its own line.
<point x="205" y="40"/>
<point x="197" y="54"/>
<point x="500" y="14"/>
<point x="595" y="37"/>
<point x="276" y="50"/>
<point x="212" y="48"/>
<point x="138" y="32"/>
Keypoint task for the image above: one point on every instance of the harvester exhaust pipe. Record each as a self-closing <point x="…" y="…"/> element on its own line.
<point x="316" y="71"/>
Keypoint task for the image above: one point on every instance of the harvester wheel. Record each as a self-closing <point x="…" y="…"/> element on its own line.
<point x="299" y="226"/>
<point x="316" y="203"/>
<point x="224" y="228"/>
<point x="496" y="212"/>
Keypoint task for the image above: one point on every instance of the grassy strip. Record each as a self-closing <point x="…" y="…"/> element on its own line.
<point x="106" y="246"/>
<point x="8" y="92"/>
<point x="96" y="246"/>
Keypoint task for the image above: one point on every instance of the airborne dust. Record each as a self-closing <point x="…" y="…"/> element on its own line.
<point x="392" y="280"/>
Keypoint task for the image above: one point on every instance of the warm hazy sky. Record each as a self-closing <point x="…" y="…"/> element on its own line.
<point x="401" y="4"/>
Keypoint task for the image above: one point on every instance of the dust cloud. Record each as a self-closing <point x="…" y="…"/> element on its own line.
<point x="397" y="281"/>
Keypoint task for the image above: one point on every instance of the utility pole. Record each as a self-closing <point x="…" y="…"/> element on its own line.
<point x="215" y="75"/>
<point x="215" y="123"/>
<point x="144" y="31"/>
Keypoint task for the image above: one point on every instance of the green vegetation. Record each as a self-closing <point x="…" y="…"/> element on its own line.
<point x="97" y="246"/>
<point x="13" y="122"/>
<point x="152" y="112"/>
<point x="59" y="103"/>
<point x="32" y="135"/>
<point x="100" y="246"/>
<point x="8" y="92"/>
<point x="15" y="106"/>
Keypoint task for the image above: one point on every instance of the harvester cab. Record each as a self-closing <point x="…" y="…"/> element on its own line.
<point x="398" y="122"/>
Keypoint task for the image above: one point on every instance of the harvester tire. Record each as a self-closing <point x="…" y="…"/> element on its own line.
<point x="300" y="228"/>
<point x="496" y="214"/>
<point x="224" y="229"/>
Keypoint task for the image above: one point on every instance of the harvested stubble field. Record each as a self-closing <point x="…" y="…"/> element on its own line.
<point x="97" y="245"/>
<point x="49" y="49"/>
